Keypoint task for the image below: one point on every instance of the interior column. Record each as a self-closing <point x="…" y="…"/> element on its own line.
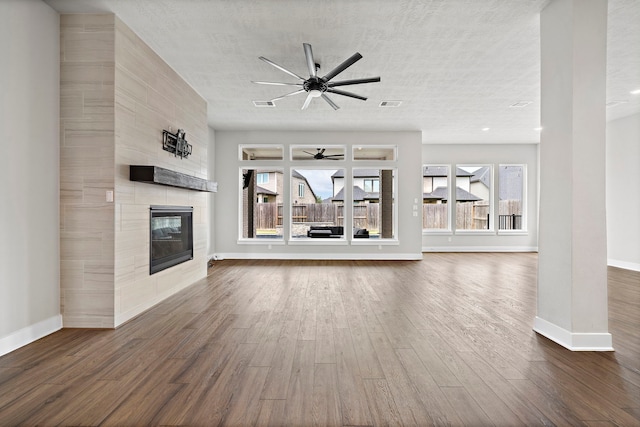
<point x="572" y="267"/>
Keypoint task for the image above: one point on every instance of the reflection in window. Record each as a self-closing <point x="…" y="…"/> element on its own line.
<point x="261" y="203"/>
<point x="316" y="212"/>
<point x="374" y="152"/>
<point x="373" y="203"/>
<point x="261" y="152"/>
<point x="511" y="197"/>
<point x="435" y="195"/>
<point x="323" y="154"/>
<point x="473" y="197"/>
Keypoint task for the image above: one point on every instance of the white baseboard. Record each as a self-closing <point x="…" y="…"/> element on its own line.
<point x="624" y="264"/>
<point x="323" y="256"/>
<point x="573" y="341"/>
<point x="30" y="334"/>
<point x="479" y="249"/>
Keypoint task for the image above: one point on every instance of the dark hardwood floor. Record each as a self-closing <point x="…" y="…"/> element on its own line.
<point x="443" y="341"/>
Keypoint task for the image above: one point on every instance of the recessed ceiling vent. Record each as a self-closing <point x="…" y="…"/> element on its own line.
<point x="520" y="104"/>
<point x="616" y="103"/>
<point x="390" y="103"/>
<point x="264" y="103"/>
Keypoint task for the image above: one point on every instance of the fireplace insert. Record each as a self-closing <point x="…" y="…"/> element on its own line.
<point x="171" y="236"/>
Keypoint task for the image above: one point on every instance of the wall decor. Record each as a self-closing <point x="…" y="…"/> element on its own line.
<point x="176" y="143"/>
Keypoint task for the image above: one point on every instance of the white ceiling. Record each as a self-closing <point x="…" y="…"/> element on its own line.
<point x="456" y="65"/>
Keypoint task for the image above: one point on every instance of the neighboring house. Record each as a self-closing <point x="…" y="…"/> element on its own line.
<point x="366" y="185"/>
<point x="269" y="188"/>
<point x="481" y="182"/>
<point x="435" y="188"/>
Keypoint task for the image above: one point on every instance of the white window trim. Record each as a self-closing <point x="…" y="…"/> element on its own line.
<point x="492" y="205"/>
<point x="248" y="240"/>
<point x="524" y="230"/>
<point x="450" y="201"/>
<point x="241" y="148"/>
<point x="395" y="206"/>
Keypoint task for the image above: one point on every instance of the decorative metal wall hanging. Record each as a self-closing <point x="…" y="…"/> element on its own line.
<point x="176" y="143"/>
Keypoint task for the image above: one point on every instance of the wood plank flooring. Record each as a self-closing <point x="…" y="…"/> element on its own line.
<point x="443" y="341"/>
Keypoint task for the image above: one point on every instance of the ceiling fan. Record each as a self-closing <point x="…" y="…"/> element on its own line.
<point x="320" y="155"/>
<point x="316" y="86"/>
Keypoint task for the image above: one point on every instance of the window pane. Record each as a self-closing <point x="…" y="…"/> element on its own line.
<point x="373" y="203"/>
<point x="511" y="189"/>
<point x="315" y="153"/>
<point x="317" y="208"/>
<point x="473" y="204"/>
<point x="261" y="203"/>
<point x="435" y="194"/>
<point x="261" y="152"/>
<point x="374" y="152"/>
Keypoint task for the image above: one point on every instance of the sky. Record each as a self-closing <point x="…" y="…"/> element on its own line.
<point x="319" y="180"/>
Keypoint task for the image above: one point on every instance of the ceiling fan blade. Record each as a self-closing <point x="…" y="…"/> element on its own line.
<point x="278" y="83"/>
<point x="289" y="94"/>
<point x="322" y="150"/>
<point x="340" y="68"/>
<point x="334" y="155"/>
<point x="307" y="101"/>
<point x="345" y="93"/>
<point x="330" y="102"/>
<point x="311" y="154"/>
<point x="281" y="68"/>
<point x="354" y="82"/>
<point x="311" y="63"/>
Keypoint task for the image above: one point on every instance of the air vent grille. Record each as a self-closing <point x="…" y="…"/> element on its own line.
<point x="264" y="103"/>
<point x="390" y="103"/>
<point x="520" y="104"/>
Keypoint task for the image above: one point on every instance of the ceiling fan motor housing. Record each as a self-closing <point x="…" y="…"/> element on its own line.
<point x="315" y="83"/>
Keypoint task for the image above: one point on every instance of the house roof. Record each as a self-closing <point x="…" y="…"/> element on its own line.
<point x="442" y="193"/>
<point x="358" y="173"/>
<point x="264" y="191"/>
<point x="482" y="175"/>
<point x="359" y="195"/>
<point x="296" y="174"/>
<point x="433" y="171"/>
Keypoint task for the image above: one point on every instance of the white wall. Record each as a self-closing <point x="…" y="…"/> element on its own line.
<point x="211" y="167"/>
<point x="29" y="194"/>
<point x="486" y="154"/>
<point x="226" y="210"/>
<point x="623" y="192"/>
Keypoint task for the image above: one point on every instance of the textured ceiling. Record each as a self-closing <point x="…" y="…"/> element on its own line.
<point x="456" y="65"/>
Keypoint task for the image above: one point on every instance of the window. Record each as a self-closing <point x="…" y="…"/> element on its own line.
<point x="435" y="197"/>
<point x="374" y="203"/>
<point x="374" y="152"/>
<point x="473" y="197"/>
<point x="511" y="189"/>
<point x="261" y="204"/>
<point x="371" y="185"/>
<point x="315" y="154"/>
<point x="262" y="178"/>
<point x="318" y="211"/>
<point x="261" y="152"/>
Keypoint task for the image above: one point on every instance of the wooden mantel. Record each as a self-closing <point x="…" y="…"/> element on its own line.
<point x="162" y="176"/>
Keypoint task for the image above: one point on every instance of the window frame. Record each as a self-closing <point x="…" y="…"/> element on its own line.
<point x="524" y="230"/>
<point x="450" y="201"/>
<point x="491" y="230"/>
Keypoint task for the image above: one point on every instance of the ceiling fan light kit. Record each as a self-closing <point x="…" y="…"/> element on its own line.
<point x="316" y="86"/>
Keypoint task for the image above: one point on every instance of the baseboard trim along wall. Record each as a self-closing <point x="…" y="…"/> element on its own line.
<point x="479" y="249"/>
<point x="573" y="341"/>
<point x="30" y="334"/>
<point x="624" y="264"/>
<point x="321" y="256"/>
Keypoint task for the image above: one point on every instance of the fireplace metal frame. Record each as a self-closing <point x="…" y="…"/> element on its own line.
<point x="170" y="261"/>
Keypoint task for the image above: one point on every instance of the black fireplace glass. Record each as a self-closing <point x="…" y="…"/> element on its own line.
<point x="171" y="236"/>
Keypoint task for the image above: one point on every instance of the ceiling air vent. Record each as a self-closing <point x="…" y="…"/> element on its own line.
<point x="390" y="103"/>
<point x="264" y="103"/>
<point x="520" y="104"/>
<point x="616" y="103"/>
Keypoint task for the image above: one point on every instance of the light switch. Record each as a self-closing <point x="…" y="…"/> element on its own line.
<point x="109" y="195"/>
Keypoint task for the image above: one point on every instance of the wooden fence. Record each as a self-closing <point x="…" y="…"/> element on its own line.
<point x="469" y="216"/>
<point x="365" y="215"/>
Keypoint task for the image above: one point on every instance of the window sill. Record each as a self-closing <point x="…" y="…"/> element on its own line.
<point x="513" y="233"/>
<point x="434" y="232"/>
<point x="375" y="242"/>
<point x="475" y="233"/>
<point x="317" y="241"/>
<point x="262" y="241"/>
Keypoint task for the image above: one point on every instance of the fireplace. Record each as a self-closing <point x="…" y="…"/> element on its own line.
<point x="171" y="236"/>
